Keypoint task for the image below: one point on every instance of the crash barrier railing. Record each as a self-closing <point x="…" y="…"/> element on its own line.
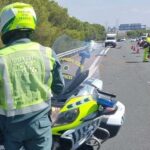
<point x="73" y="51"/>
<point x="76" y="50"/>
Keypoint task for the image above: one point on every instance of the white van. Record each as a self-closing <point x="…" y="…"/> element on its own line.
<point x="111" y="40"/>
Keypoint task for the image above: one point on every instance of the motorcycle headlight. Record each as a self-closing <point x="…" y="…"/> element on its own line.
<point x="66" y="117"/>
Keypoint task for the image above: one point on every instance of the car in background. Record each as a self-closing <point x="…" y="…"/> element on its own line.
<point x="123" y="39"/>
<point x="118" y="40"/>
<point x="133" y="40"/>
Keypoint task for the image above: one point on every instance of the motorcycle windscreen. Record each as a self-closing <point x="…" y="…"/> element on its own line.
<point x="73" y="62"/>
<point x="73" y="66"/>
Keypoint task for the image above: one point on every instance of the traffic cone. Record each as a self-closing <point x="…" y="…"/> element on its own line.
<point x="133" y="48"/>
<point x="137" y="50"/>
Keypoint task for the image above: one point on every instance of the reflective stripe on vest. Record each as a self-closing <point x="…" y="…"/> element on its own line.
<point x="47" y="64"/>
<point x="10" y="113"/>
<point x="9" y="104"/>
<point x="7" y="91"/>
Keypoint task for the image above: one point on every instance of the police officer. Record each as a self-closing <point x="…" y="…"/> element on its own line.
<point x="29" y="73"/>
<point x="146" y="49"/>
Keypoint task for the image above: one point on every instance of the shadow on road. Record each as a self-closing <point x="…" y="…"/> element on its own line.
<point x="134" y="62"/>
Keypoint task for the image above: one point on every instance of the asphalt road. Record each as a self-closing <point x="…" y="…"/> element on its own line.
<point x="124" y="74"/>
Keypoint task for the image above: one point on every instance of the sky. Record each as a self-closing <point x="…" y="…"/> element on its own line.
<point x="109" y="12"/>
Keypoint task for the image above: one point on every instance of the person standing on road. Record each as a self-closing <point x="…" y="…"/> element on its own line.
<point x="146" y="49"/>
<point x="28" y="74"/>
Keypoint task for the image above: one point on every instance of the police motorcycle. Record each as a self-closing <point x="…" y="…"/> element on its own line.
<point x="88" y="117"/>
<point x="84" y="116"/>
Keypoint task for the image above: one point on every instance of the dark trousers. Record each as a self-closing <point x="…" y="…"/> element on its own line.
<point x="33" y="136"/>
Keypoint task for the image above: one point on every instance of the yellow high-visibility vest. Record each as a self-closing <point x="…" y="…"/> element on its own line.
<point x="25" y="78"/>
<point x="148" y="39"/>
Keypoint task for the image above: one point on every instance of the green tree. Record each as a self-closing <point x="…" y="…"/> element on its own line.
<point x="54" y="21"/>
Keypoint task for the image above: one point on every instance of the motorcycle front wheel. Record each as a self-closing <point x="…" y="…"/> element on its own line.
<point x="85" y="147"/>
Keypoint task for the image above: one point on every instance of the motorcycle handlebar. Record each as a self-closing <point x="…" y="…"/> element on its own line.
<point x="104" y="93"/>
<point x="107" y="94"/>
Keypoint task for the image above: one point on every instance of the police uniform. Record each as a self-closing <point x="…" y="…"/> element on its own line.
<point x="146" y="49"/>
<point x="29" y="73"/>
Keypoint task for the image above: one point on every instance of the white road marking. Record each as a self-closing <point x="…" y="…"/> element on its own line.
<point x="148" y="82"/>
<point x="94" y="66"/>
<point x="106" y="51"/>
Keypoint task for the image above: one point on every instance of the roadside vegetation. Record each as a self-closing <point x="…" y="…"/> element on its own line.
<point x="137" y="33"/>
<point x="54" y="21"/>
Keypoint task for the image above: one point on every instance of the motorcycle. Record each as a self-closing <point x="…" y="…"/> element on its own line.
<point x="84" y="116"/>
<point x="87" y="116"/>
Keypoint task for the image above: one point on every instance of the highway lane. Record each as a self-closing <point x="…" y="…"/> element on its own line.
<point x="124" y="74"/>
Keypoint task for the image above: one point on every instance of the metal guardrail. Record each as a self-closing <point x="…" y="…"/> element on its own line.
<point x="73" y="51"/>
<point x="76" y="50"/>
